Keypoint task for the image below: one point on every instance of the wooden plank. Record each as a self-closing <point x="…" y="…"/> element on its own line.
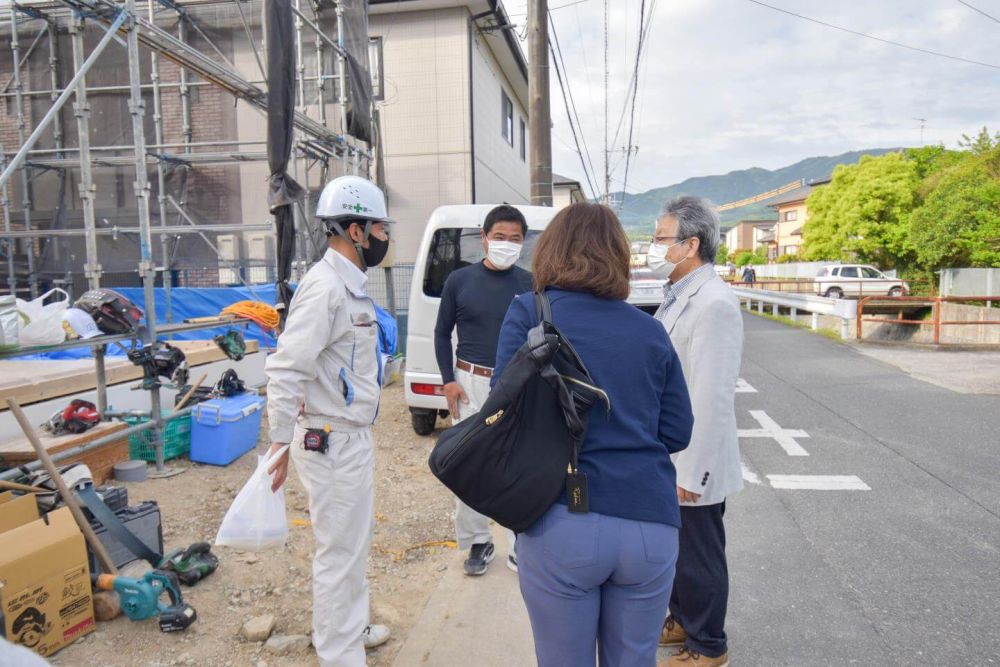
<point x="100" y="461"/>
<point x="34" y="381"/>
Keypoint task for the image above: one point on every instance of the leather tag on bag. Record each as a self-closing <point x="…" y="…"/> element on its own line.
<point x="576" y="492"/>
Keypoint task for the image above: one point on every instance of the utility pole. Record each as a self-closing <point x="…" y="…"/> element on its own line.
<point x="539" y="116"/>
<point x="923" y="124"/>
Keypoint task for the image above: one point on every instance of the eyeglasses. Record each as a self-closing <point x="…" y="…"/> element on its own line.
<point x="662" y="240"/>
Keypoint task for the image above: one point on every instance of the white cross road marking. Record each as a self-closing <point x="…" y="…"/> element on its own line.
<point x="818" y="482"/>
<point x="749" y="475"/>
<point x="770" y="429"/>
<point x="743" y="387"/>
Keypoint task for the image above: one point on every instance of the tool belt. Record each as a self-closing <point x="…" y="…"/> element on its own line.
<point x="479" y="371"/>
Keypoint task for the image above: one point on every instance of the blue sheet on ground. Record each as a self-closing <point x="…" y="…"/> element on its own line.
<point x="189" y="302"/>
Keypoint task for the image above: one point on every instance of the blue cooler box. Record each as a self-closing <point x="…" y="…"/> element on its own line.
<point x="223" y="429"/>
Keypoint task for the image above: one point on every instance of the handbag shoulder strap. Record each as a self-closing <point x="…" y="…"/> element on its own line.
<point x="543" y="308"/>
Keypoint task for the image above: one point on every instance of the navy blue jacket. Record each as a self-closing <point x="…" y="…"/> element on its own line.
<point x="626" y="453"/>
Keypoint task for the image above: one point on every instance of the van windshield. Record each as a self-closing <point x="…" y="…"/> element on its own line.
<point x="453" y="247"/>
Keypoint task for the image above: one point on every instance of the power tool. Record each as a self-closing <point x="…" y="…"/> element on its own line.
<point x="191" y="565"/>
<point x="76" y="417"/>
<point x="140" y="598"/>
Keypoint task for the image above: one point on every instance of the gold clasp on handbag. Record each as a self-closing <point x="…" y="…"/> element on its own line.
<point x="492" y="419"/>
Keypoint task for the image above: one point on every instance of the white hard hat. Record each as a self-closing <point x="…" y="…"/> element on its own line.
<point x="80" y="324"/>
<point x="352" y="197"/>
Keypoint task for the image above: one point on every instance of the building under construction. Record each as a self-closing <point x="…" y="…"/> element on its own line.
<point x="134" y="137"/>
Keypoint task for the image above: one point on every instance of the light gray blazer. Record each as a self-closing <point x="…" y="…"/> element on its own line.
<point x="706" y="329"/>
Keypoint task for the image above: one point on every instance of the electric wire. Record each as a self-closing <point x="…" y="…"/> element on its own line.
<point x="877" y="39"/>
<point x="607" y="148"/>
<point x="977" y="9"/>
<point x="635" y="90"/>
<point x="571" y="111"/>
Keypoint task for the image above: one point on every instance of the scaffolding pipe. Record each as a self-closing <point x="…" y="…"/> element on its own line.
<point x="25" y="171"/>
<point x="57" y="128"/>
<point x="23" y="61"/>
<point x="185" y="92"/>
<point x="19" y="158"/>
<point x="81" y="109"/>
<point x="161" y="177"/>
<point x="342" y="67"/>
<point x="10" y="245"/>
<point x="141" y="186"/>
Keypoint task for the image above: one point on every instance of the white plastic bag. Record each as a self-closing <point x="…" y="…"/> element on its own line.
<point x="40" y="322"/>
<point x="256" y="519"/>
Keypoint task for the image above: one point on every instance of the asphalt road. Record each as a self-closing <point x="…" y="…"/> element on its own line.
<point x="905" y="573"/>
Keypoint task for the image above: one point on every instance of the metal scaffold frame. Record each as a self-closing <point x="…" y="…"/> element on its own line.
<point x="316" y="143"/>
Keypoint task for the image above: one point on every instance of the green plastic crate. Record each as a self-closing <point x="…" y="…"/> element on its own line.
<point x="176" y="439"/>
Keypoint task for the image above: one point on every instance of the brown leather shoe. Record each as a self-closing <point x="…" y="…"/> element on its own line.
<point x="672" y="633"/>
<point x="689" y="658"/>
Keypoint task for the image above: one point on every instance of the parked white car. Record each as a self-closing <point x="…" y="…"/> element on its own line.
<point x="646" y="292"/>
<point x="451" y="241"/>
<point x="857" y="280"/>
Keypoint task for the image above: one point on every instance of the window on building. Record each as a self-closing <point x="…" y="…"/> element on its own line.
<point x="791" y="215"/>
<point x="506" y="118"/>
<point x="524" y="141"/>
<point x="375" y="62"/>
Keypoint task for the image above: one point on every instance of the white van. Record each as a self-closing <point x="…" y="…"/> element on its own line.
<point x="451" y="241"/>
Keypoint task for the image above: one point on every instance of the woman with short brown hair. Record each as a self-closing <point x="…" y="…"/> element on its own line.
<point x="598" y="583"/>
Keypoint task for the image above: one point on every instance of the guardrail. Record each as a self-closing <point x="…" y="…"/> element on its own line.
<point x="933" y="302"/>
<point x="845" y="309"/>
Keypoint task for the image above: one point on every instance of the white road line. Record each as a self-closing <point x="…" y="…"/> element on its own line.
<point x="770" y="429"/>
<point x="749" y="475"/>
<point x="818" y="482"/>
<point x="743" y="387"/>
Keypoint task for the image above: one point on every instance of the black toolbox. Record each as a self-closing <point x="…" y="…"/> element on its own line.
<point x="143" y="520"/>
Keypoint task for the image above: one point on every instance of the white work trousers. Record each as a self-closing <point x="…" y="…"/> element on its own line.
<point x="341" y="507"/>
<point x="471" y="527"/>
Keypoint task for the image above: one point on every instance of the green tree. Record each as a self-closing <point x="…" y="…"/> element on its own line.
<point x="959" y="223"/>
<point x="760" y="255"/>
<point x="722" y="256"/>
<point x="863" y="213"/>
<point x="744" y="258"/>
<point x="980" y="144"/>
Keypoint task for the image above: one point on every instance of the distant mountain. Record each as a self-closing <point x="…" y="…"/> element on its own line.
<point x="639" y="210"/>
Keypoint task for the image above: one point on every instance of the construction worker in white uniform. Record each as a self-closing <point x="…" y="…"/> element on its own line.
<point x="323" y="390"/>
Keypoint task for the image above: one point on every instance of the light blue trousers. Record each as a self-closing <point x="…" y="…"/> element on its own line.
<point x="596" y="586"/>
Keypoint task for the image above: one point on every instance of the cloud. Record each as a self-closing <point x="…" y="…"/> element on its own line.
<point x="728" y="84"/>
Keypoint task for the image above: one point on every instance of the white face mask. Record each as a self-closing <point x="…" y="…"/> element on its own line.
<point x="657" y="261"/>
<point x="503" y="254"/>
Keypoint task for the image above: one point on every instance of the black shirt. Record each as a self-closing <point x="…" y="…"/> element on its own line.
<point x="475" y="299"/>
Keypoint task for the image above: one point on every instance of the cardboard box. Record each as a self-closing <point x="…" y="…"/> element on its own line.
<point x="16" y="510"/>
<point x="45" y="598"/>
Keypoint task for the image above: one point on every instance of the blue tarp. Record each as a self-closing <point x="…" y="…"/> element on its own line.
<point x="190" y="302"/>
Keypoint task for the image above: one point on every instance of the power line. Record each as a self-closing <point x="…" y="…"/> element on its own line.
<point x="977" y="9"/>
<point x="607" y="172"/>
<point x="643" y="29"/>
<point x="877" y="39"/>
<point x="570" y="103"/>
<point x="633" y="82"/>
<point x="556" y="59"/>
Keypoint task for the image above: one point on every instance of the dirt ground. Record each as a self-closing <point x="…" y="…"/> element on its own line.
<point x="412" y="509"/>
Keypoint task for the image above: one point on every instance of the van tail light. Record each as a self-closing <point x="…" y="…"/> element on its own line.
<point x="423" y="389"/>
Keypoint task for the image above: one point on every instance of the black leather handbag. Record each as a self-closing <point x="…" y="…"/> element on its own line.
<point x="513" y="459"/>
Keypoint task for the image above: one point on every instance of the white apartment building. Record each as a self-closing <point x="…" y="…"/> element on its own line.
<point x="453" y="108"/>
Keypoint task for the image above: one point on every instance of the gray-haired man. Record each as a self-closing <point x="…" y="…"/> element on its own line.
<point x="702" y="316"/>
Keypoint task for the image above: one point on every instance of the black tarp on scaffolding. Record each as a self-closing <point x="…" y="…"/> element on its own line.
<point x="359" y="81"/>
<point x="283" y="191"/>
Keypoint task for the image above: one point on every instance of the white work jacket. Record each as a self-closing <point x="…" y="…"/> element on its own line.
<point x="327" y="367"/>
<point x="706" y="330"/>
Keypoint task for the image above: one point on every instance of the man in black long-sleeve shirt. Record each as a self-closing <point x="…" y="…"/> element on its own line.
<point x="475" y="299"/>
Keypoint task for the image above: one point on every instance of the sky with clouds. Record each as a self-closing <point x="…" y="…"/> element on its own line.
<point x="729" y="84"/>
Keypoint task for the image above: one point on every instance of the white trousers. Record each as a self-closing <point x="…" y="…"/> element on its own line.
<point x="471" y="527"/>
<point x="341" y="507"/>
